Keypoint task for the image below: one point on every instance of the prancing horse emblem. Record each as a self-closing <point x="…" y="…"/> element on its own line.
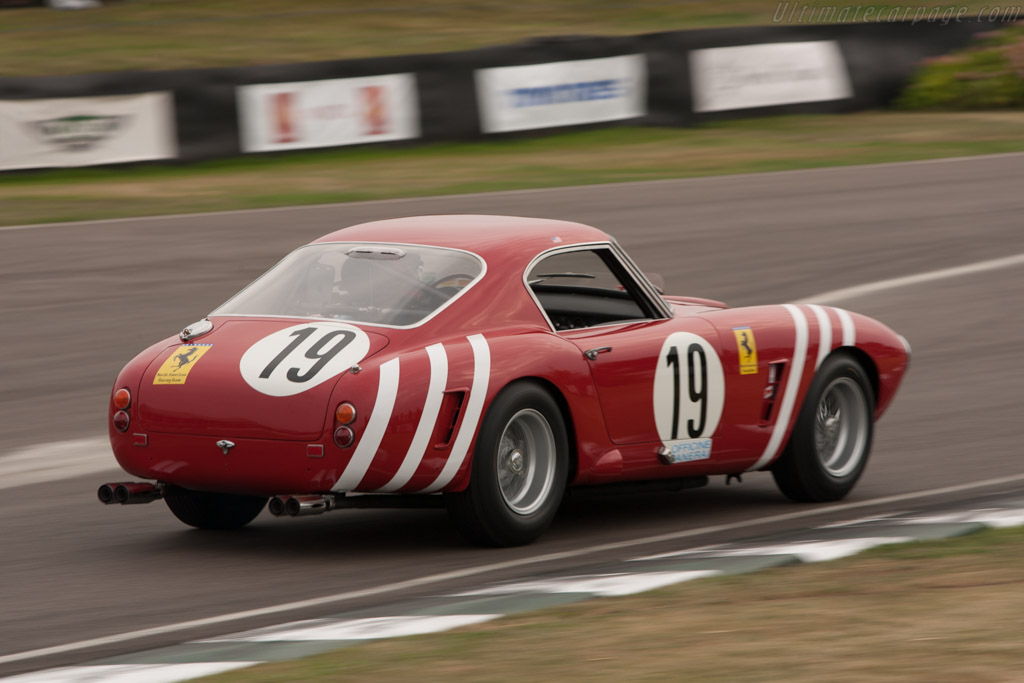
<point x="224" y="445"/>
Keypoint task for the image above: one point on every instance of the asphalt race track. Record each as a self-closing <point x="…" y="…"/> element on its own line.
<point x="78" y="300"/>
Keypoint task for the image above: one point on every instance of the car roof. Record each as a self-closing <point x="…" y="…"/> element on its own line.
<point x="480" y="234"/>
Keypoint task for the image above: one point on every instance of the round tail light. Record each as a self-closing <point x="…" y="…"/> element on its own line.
<point x="345" y="414"/>
<point x="122" y="399"/>
<point x="343" y="437"/>
<point x="121" y="420"/>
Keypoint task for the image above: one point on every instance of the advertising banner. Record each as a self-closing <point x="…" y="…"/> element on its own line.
<point x="329" y="113"/>
<point x="572" y="93"/>
<point x="85" y="131"/>
<point x="766" y="75"/>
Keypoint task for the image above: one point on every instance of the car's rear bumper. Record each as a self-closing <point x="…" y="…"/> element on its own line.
<point x="251" y="466"/>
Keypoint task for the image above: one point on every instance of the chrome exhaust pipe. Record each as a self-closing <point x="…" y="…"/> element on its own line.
<point x="276" y="505"/>
<point x="129" y="493"/>
<point x="302" y="506"/>
<point x="106" y="494"/>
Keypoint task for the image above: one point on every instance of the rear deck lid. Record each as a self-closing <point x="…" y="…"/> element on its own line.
<point x="253" y="378"/>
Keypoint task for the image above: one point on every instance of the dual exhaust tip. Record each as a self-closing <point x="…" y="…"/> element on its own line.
<point x="302" y="506"/>
<point x="129" y="493"/>
<point x="135" y="493"/>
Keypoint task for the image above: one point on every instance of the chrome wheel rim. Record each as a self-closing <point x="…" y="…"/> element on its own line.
<point x="841" y="427"/>
<point x="526" y="462"/>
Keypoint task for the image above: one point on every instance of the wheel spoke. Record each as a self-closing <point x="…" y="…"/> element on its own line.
<point x="526" y="461"/>
<point x="841" y="425"/>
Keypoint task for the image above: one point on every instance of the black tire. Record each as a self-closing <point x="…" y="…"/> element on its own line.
<point x="831" y="441"/>
<point x="511" y="499"/>
<point x="212" y="510"/>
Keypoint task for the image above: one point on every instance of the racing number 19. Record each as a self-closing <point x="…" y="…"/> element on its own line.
<point x="672" y="359"/>
<point x="316" y="352"/>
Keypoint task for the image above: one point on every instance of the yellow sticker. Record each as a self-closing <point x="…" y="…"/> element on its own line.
<point x="176" y="368"/>
<point x="747" y="347"/>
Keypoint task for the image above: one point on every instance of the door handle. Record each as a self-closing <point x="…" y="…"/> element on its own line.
<point x="591" y="354"/>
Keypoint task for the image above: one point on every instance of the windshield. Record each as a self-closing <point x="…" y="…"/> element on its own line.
<point x="383" y="284"/>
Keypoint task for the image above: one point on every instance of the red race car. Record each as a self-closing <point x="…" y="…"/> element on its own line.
<point x="494" y="361"/>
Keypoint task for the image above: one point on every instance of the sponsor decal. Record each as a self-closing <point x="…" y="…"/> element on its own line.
<point x="767" y="75"/>
<point x="77" y="133"/>
<point x="301" y="357"/>
<point x="561" y="93"/>
<point x="283" y="107"/>
<point x="687" y="451"/>
<point x="176" y="368"/>
<point x="328" y="113"/>
<point x="375" y="110"/>
<point x="747" y="348"/>
<point x="85" y="131"/>
<point x="689" y="393"/>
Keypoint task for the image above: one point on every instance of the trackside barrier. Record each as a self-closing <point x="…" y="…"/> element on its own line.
<point x="676" y="78"/>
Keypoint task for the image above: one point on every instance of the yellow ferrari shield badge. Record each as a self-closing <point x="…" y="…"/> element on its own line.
<point x="747" y="347"/>
<point x="176" y="368"/>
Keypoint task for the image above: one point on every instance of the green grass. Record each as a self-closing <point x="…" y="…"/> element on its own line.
<point x="171" y="34"/>
<point x="579" y="158"/>
<point x="988" y="74"/>
<point x="932" y="611"/>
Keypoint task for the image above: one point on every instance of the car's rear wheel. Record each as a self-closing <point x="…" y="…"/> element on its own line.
<point x="519" y="470"/>
<point x="205" y="510"/>
<point x="831" y="441"/>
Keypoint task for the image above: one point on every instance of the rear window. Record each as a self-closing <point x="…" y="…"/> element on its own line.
<point x="382" y="284"/>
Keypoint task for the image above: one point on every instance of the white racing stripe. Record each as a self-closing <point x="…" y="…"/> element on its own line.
<point x="849" y="331"/>
<point x="474" y="407"/>
<point x="387" y="390"/>
<point x="796" y="373"/>
<point x="824" y="333"/>
<point x="435" y="392"/>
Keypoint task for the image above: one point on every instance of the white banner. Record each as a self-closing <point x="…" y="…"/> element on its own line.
<point x="84" y="131"/>
<point x="561" y="93"/>
<point x="766" y="75"/>
<point x="341" y="111"/>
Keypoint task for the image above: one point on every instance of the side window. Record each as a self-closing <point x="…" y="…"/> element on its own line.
<point x="585" y="288"/>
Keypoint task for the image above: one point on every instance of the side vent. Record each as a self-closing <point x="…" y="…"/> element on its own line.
<point x="771" y="390"/>
<point x="448" y="418"/>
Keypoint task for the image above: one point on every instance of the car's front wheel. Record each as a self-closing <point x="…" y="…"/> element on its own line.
<point x="205" y="510"/>
<point x="831" y="441"/>
<point x="519" y="470"/>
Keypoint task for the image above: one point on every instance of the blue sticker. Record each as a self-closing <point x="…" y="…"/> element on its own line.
<point x="689" y="450"/>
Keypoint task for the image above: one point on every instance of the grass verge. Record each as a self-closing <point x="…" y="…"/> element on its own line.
<point x="174" y="34"/>
<point x="935" y="611"/>
<point x="577" y="158"/>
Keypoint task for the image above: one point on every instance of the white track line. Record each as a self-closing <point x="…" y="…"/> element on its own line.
<point x="56" y="461"/>
<point x="830" y="297"/>
<point x="837" y="295"/>
<point x="511" y="193"/>
<point x="479" y="570"/>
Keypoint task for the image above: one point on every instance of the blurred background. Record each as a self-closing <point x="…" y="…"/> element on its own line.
<point x="157" y="155"/>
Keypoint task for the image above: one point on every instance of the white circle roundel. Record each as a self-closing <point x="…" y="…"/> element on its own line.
<point x="300" y="357"/>
<point x="689" y="388"/>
